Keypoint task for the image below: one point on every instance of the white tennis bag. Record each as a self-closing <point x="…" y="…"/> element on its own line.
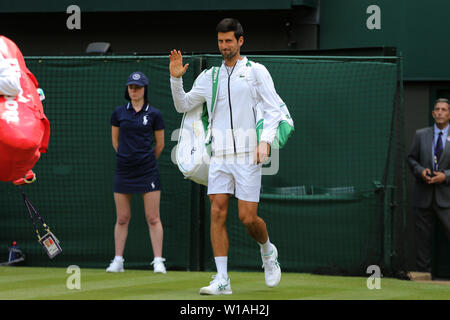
<point x="286" y="125"/>
<point x="194" y="142"/>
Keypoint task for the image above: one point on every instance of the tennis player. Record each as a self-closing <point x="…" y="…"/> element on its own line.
<point x="134" y="125"/>
<point x="237" y="159"/>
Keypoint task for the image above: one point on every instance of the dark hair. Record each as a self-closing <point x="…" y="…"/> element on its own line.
<point x="231" y="24"/>
<point x="127" y="95"/>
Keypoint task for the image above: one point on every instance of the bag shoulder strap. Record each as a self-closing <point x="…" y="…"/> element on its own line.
<point x="215" y="89"/>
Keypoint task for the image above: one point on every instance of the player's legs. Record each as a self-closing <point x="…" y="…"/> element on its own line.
<point x="256" y="227"/>
<point x="123" y="211"/>
<point x="248" y="185"/>
<point x="219" y="235"/>
<point x="151" y="205"/>
<point x="220" y="186"/>
<point x="219" y="242"/>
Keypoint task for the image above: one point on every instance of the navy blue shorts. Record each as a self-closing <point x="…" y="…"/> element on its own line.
<point x="137" y="179"/>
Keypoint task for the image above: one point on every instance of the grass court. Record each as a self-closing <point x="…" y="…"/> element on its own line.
<point x="32" y="283"/>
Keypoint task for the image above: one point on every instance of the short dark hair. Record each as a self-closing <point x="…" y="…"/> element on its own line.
<point x="231" y="24"/>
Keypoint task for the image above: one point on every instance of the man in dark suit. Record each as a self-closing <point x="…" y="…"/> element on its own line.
<point x="429" y="161"/>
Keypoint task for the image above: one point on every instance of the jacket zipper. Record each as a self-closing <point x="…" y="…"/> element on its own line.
<point x="229" y="103"/>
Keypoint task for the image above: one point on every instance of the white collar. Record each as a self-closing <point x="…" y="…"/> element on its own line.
<point x="129" y="105"/>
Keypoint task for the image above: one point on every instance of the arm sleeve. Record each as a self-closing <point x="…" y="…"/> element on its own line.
<point x="114" y="121"/>
<point x="158" y="122"/>
<point x="447" y="176"/>
<point x="270" y="103"/>
<point x="414" y="158"/>
<point x="187" y="101"/>
<point x="9" y="79"/>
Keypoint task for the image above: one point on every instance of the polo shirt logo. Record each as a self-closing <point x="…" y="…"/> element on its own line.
<point x="145" y="120"/>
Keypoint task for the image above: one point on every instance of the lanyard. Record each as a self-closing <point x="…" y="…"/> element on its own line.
<point x="48" y="241"/>
<point x="32" y="211"/>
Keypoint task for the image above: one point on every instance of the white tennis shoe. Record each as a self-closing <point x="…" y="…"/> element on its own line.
<point x="272" y="270"/>
<point x="218" y="286"/>
<point x="158" y="265"/>
<point x="116" y="266"/>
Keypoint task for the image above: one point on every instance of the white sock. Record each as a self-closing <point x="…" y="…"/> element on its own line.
<point x="118" y="258"/>
<point x="221" y="265"/>
<point x="266" y="248"/>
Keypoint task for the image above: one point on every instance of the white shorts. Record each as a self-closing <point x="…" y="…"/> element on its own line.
<point x="235" y="174"/>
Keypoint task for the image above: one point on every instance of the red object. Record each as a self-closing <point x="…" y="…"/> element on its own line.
<point x="29" y="177"/>
<point x="14" y="243"/>
<point x="24" y="128"/>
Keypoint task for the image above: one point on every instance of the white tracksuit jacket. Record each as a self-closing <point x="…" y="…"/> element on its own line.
<point x="9" y="78"/>
<point x="239" y="100"/>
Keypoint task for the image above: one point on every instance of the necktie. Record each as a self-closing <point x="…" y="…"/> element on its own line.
<point x="438" y="150"/>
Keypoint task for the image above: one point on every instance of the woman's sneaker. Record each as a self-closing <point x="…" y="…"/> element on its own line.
<point x="219" y="285"/>
<point x="158" y="265"/>
<point x="116" y="265"/>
